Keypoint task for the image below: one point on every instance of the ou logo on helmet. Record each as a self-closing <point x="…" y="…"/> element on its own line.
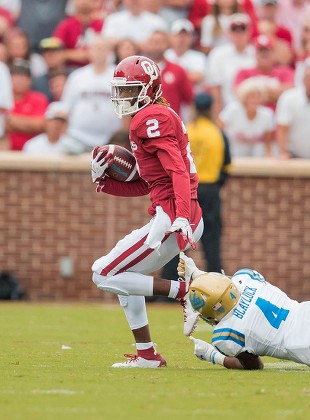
<point x="150" y="69"/>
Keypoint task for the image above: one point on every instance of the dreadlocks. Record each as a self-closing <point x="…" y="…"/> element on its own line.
<point x="162" y="101"/>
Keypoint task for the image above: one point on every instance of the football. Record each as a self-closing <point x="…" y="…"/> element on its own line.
<point x="124" y="167"/>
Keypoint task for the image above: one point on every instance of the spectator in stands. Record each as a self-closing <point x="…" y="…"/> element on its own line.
<point x="18" y="46"/>
<point x="76" y="32"/>
<point x="292" y="117"/>
<point x="6" y="99"/>
<point x="194" y="62"/>
<point x="134" y="22"/>
<point x="153" y="6"/>
<point x="281" y="37"/>
<point x="5" y="21"/>
<point x="176" y="85"/>
<point x="39" y="18"/>
<point x="197" y="11"/>
<point x="102" y="9"/>
<point x="276" y="78"/>
<point x="214" y="26"/>
<point x="57" y="81"/>
<point x="226" y="60"/>
<point x="12" y="7"/>
<point x="304" y="50"/>
<point x="54" y="140"/>
<point x="52" y="51"/>
<point x="303" y="53"/>
<point x="26" y="118"/>
<point x="173" y="10"/>
<point x="291" y="14"/>
<point x="248" y="124"/>
<point x="125" y="48"/>
<point x="92" y="119"/>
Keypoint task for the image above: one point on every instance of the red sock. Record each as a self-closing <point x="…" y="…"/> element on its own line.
<point x="182" y="290"/>
<point x="148" y="354"/>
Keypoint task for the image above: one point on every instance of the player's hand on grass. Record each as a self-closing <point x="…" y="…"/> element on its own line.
<point x="182" y="226"/>
<point x="204" y="350"/>
<point x="101" y="161"/>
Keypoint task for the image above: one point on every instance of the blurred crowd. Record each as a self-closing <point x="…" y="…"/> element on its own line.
<point x="251" y="56"/>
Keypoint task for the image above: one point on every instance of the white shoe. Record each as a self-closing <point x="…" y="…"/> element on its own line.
<point x="186" y="268"/>
<point x="190" y="316"/>
<point x="135" y="361"/>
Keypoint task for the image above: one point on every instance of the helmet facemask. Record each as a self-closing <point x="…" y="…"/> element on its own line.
<point x="128" y="97"/>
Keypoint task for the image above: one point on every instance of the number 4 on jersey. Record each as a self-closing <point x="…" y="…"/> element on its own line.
<point x="273" y="313"/>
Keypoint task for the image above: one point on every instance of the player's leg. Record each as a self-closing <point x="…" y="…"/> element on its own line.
<point x="133" y="255"/>
<point x="147" y="356"/>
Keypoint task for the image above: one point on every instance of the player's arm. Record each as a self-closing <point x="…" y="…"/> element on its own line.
<point x="101" y="161"/>
<point x="282" y="134"/>
<point x="244" y="361"/>
<point x="135" y="188"/>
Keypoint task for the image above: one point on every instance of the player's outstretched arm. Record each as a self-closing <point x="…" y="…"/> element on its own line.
<point x="245" y="360"/>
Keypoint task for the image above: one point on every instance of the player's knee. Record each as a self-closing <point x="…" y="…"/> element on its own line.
<point x="107" y="284"/>
<point x="97" y="267"/>
<point x="98" y="279"/>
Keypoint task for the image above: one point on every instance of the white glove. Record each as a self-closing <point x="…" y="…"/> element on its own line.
<point x="205" y="351"/>
<point x="182" y="226"/>
<point x="100" y="163"/>
<point x="187" y="267"/>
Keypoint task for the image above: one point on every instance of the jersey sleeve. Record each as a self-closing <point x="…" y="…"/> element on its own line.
<point x="136" y="188"/>
<point x="228" y="341"/>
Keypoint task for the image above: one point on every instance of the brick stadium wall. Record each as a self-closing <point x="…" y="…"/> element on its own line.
<point x="49" y="210"/>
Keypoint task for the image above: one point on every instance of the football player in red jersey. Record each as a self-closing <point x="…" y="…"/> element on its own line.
<point x="160" y="145"/>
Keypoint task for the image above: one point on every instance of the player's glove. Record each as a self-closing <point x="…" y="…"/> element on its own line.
<point x="205" y="351"/>
<point x="100" y="163"/>
<point x="182" y="226"/>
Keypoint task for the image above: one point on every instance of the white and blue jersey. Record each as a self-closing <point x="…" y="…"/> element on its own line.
<point x="265" y="322"/>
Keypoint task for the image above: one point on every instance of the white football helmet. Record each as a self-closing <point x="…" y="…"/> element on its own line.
<point x="136" y="84"/>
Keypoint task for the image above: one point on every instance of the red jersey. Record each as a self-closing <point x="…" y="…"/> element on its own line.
<point x="33" y="104"/>
<point x="160" y="145"/>
<point x="74" y="34"/>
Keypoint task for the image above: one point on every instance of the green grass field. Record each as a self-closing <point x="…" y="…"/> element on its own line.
<point x="41" y="380"/>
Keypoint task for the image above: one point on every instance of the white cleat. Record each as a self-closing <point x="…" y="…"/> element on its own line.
<point x="135" y="361"/>
<point x="186" y="268"/>
<point x="191" y="317"/>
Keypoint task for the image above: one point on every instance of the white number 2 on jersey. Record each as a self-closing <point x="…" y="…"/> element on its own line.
<point x="152" y="130"/>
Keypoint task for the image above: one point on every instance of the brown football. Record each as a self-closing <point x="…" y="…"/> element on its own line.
<point x="124" y="167"/>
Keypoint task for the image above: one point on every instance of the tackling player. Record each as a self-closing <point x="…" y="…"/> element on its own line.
<point x="252" y="318"/>
<point x="160" y="145"/>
